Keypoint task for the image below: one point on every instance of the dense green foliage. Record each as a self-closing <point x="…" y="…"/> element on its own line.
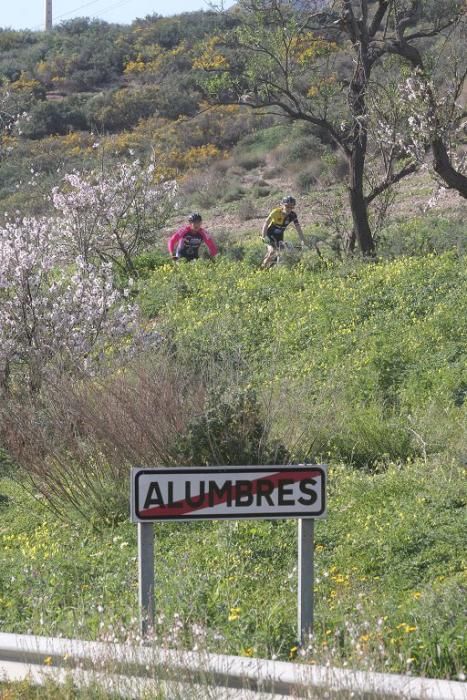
<point x="65" y="60"/>
<point x="375" y="353"/>
<point x="59" y="97"/>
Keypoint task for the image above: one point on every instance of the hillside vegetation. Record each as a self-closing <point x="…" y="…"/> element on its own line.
<point x="112" y="356"/>
<point x="361" y="366"/>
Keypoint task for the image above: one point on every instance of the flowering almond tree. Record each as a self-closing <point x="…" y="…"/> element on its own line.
<point x="53" y="317"/>
<point x="433" y="119"/>
<point x="115" y="214"/>
<point x="418" y="120"/>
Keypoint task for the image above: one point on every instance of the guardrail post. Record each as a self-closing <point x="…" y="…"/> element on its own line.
<point x="146" y="576"/>
<point x="305" y="578"/>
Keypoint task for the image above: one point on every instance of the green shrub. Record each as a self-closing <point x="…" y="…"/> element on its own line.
<point x="247" y="209"/>
<point x="261" y="191"/>
<point x="302" y="150"/>
<point x="145" y="263"/>
<point x="229" y="431"/>
<point x="229" y="245"/>
<point x="310" y="175"/>
<point x="118" y="110"/>
<point x="370" y="436"/>
<point x="340" y="168"/>
<point x="273" y="171"/>
<point x="266" y="139"/>
<point x="254" y="253"/>
<point x="249" y="161"/>
<point x="233" y="193"/>
<point x="421" y="236"/>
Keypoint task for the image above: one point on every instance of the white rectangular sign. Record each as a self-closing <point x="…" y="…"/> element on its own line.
<point x="205" y="493"/>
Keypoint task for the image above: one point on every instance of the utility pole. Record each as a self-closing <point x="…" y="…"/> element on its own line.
<point x="48" y="15"/>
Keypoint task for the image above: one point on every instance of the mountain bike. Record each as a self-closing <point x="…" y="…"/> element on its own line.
<point x="285" y="252"/>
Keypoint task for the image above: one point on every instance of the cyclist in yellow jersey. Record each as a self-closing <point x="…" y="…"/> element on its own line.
<point x="274" y="227"/>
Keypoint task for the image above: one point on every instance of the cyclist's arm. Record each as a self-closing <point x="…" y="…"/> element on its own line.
<point x="300" y="232"/>
<point x="210" y="243"/>
<point x="173" y="241"/>
<point x="265" y="228"/>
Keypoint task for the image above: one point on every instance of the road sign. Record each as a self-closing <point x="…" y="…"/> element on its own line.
<point x="194" y="493"/>
<point x="216" y="493"/>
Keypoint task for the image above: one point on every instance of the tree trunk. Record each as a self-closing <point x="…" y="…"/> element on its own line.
<point x="359" y="141"/>
<point x="35" y="374"/>
<point x="443" y="167"/>
<point x="5" y="379"/>
<point x="360" y="221"/>
<point x="358" y="204"/>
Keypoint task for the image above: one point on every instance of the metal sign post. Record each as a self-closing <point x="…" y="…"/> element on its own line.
<point x="305" y="579"/>
<point x="218" y="493"/>
<point x="146" y="576"/>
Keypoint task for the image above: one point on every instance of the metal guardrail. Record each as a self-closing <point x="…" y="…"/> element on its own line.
<point x="132" y="671"/>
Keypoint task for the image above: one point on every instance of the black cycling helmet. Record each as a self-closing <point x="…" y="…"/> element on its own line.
<point x="195" y="218"/>
<point x="288" y="200"/>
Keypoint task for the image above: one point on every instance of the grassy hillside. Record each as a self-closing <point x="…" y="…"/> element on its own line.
<point x="373" y="353"/>
<point x="361" y="365"/>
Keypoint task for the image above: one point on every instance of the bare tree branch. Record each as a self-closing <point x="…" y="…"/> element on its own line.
<point x="391" y="180"/>
<point x="378" y="17"/>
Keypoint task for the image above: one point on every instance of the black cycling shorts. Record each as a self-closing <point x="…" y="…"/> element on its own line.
<point x="188" y="254"/>
<point x="275" y="237"/>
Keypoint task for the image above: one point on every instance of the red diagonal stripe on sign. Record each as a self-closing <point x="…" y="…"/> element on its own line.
<point x="182" y="507"/>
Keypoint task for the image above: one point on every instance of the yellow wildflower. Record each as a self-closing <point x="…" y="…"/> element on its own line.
<point x="234" y="614"/>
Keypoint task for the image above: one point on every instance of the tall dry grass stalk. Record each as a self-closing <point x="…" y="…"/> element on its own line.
<point x="76" y="441"/>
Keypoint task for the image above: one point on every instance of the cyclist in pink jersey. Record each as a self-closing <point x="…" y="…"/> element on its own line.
<point x="185" y="242"/>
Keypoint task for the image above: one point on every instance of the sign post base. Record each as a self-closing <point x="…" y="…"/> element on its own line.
<point x="305" y="579"/>
<point x="146" y="576"/>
